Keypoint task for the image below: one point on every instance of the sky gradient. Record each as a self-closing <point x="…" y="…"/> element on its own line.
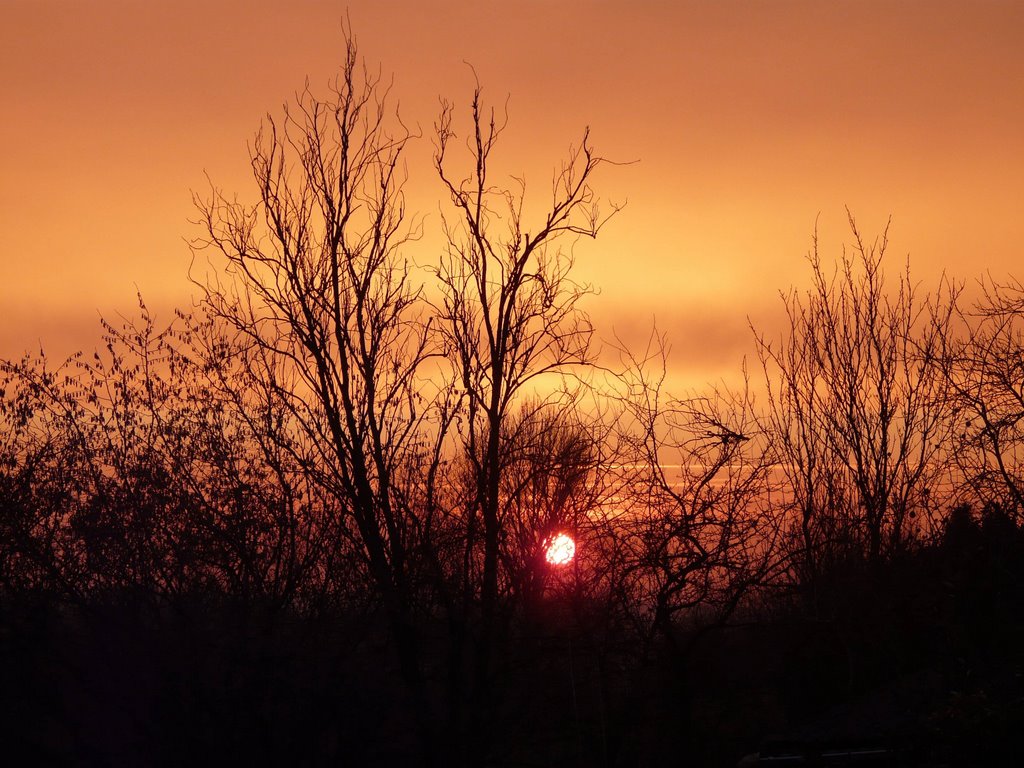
<point x="749" y="121"/>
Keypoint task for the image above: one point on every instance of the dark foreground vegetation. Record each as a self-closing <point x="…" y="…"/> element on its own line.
<point x="923" y="657"/>
<point x="305" y="523"/>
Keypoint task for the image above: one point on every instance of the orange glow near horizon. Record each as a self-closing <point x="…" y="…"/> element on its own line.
<point x="750" y="123"/>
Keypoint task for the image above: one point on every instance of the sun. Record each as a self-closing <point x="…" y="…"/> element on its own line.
<point x="559" y="549"/>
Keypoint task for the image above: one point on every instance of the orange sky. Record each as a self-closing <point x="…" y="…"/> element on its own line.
<point x="748" y="119"/>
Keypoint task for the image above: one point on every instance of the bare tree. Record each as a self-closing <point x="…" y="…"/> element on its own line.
<point x="509" y="316"/>
<point x="985" y="370"/>
<point x="45" y="474"/>
<point x="131" y="470"/>
<point x="554" y="477"/>
<point x="318" y="304"/>
<point x="699" y="529"/>
<point x="856" y="405"/>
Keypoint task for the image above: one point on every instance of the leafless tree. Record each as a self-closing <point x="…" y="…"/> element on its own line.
<point x="554" y="478"/>
<point x="133" y="472"/>
<point x="699" y="528"/>
<point x="317" y="303"/>
<point x="42" y="478"/>
<point x="856" y="406"/>
<point x="510" y="320"/>
<point x="985" y="370"/>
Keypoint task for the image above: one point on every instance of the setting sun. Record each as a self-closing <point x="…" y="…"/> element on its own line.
<point x="560" y="549"/>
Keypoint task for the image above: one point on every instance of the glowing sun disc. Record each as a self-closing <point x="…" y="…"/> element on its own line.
<point x="560" y="549"/>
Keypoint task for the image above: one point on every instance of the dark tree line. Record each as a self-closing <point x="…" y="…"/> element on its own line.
<point x="344" y="468"/>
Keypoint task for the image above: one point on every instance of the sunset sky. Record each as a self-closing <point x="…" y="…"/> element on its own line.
<point x="749" y="121"/>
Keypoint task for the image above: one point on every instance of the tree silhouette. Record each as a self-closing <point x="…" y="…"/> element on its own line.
<point x="508" y="316"/>
<point x="700" y="529"/>
<point x="856" y="405"/>
<point x="317" y="304"/>
<point x="986" y="374"/>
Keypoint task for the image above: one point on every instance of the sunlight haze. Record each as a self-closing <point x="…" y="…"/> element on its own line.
<point x="749" y="122"/>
